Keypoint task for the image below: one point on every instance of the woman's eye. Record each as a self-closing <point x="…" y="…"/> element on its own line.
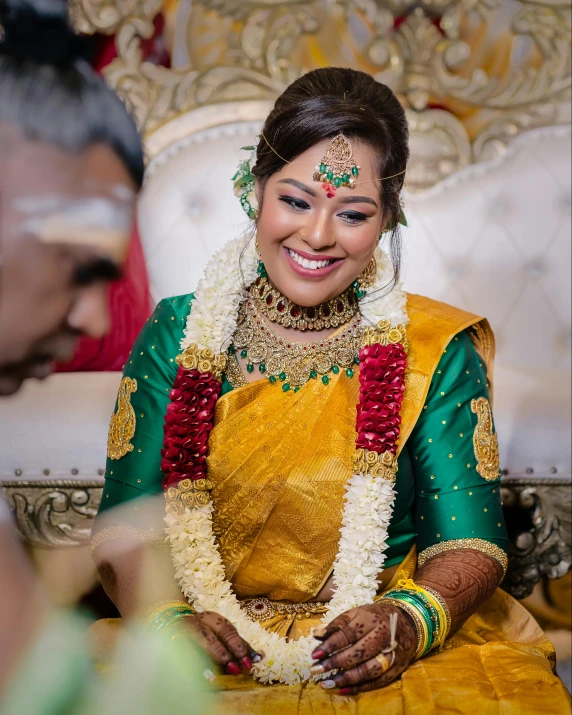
<point x="294" y="203"/>
<point x="353" y="216"/>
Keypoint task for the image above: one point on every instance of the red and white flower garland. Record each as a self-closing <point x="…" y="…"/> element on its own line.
<point x="369" y="498"/>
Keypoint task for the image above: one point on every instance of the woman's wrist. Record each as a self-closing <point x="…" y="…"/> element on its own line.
<point x="415" y="622"/>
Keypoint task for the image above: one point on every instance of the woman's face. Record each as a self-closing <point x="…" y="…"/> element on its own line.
<point x="312" y="246"/>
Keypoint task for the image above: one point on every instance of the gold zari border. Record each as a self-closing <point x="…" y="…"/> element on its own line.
<point x="203" y="360"/>
<point x="188" y="493"/>
<point x="128" y="532"/>
<point x="477" y="544"/>
<point x="378" y="465"/>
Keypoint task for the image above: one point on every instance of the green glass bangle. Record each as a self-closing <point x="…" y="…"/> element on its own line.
<point x="428" y="613"/>
<point x="423" y="603"/>
<point x="170" y="615"/>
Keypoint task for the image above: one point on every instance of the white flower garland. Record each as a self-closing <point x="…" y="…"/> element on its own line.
<point x="368" y="504"/>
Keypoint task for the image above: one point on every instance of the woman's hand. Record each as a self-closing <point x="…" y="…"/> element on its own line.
<point x="352" y="641"/>
<point x="221" y="641"/>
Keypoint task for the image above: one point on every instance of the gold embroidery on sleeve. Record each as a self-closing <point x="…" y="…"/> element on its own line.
<point x="122" y="426"/>
<point x="485" y="441"/>
<point x="487" y="547"/>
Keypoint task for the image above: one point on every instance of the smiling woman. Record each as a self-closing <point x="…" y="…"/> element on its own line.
<point x="311" y="426"/>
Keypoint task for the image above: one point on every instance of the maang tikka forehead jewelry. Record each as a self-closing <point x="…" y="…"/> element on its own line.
<point x="338" y="167"/>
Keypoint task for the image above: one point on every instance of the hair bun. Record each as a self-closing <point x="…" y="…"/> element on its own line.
<point x="39" y="30"/>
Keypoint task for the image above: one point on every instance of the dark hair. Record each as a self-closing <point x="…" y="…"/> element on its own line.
<point x="49" y="91"/>
<point x="327" y="101"/>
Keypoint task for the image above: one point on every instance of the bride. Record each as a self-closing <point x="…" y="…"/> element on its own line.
<point x="326" y="447"/>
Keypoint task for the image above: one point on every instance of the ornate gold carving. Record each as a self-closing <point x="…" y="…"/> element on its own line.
<point x="439" y="54"/>
<point x="486" y="547"/>
<point x="54" y="513"/>
<point x="203" y="360"/>
<point x="485" y="441"/>
<point x="539" y="517"/>
<point x="378" y="465"/>
<point x="123" y="422"/>
<point x="267" y="46"/>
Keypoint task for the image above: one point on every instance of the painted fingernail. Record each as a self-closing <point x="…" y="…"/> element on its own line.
<point x="232" y="668"/>
<point x="344" y="691"/>
<point x="317" y="669"/>
<point x="327" y="684"/>
<point x="318" y="654"/>
<point x="246" y="663"/>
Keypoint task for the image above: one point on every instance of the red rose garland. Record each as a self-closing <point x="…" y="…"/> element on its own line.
<point x="382" y="384"/>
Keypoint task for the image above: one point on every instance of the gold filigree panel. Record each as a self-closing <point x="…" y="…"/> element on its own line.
<point x="473" y="74"/>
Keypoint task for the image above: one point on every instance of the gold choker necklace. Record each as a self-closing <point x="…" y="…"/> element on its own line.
<point x="294" y="363"/>
<point x="279" y="309"/>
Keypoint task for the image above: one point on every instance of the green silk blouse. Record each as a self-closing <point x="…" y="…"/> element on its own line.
<point x="441" y="497"/>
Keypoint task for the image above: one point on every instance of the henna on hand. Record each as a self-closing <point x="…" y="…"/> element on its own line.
<point x="464" y="578"/>
<point x="352" y="641"/>
<point x="221" y="641"/>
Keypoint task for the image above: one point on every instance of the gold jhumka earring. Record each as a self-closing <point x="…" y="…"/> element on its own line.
<point x="338" y="167"/>
<point x="365" y="279"/>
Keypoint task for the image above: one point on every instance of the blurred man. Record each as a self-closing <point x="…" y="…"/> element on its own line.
<point x="72" y="163"/>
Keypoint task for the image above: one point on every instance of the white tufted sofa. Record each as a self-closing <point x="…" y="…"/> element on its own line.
<point x="493" y="239"/>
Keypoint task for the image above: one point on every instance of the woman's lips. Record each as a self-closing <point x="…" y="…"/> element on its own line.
<point x="308" y="272"/>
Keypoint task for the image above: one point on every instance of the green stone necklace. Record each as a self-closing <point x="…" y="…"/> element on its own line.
<point x="292" y="363"/>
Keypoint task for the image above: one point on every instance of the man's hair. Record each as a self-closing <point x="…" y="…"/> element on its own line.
<point x="49" y="91"/>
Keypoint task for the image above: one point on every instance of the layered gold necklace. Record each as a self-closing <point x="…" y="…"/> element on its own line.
<point x="290" y="362"/>
<point x="279" y="309"/>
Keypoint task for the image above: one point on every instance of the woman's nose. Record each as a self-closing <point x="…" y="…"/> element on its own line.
<point x="317" y="232"/>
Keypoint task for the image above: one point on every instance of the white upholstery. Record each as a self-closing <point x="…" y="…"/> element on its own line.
<point x="57" y="429"/>
<point x="494" y="239"/>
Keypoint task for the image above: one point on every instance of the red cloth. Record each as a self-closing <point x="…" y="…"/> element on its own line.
<point x="129" y="307"/>
<point x="129" y="299"/>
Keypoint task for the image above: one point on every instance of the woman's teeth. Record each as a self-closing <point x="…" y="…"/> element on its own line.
<point x="305" y="263"/>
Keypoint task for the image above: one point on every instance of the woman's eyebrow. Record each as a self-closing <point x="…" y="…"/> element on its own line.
<point x="358" y="200"/>
<point x="298" y="185"/>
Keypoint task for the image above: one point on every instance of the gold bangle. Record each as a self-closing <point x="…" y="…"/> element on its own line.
<point x="418" y="620"/>
<point x="439" y="598"/>
<point x="443" y="622"/>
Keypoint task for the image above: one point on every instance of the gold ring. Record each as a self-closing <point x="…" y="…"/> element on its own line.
<point x="382" y="660"/>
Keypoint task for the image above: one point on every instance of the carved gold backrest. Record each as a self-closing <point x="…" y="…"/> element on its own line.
<point x="472" y="75"/>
